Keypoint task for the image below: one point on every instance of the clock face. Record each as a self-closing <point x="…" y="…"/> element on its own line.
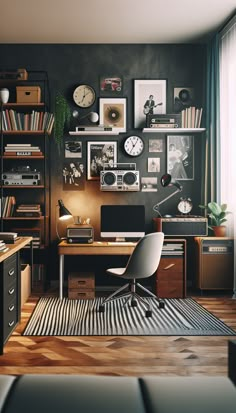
<point x="84" y="96"/>
<point x="134" y="146"/>
<point x="185" y="205"/>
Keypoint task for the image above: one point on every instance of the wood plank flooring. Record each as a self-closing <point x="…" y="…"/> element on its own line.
<point x="131" y="356"/>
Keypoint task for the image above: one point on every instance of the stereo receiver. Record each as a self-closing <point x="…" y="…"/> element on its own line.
<point x="186" y="226"/>
<point x="21" y="178"/>
<point x="174" y="120"/>
<point x="80" y="234"/>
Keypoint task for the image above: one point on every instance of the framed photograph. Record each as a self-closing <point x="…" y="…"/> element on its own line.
<point x="73" y="149"/>
<point x="155" y="145"/>
<point x="180" y="157"/>
<point x="149" y="98"/>
<point x="148" y="184"/>
<point x="153" y="164"/>
<point x="111" y="84"/>
<point x="100" y="153"/>
<point x="183" y="98"/>
<point x="73" y="176"/>
<point x="112" y="113"/>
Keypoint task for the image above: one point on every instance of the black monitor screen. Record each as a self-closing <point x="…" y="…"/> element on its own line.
<point x="122" y="221"/>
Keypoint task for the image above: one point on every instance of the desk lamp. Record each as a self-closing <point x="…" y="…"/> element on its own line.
<point x="91" y="116"/>
<point x="167" y="180"/>
<point x="64" y="214"/>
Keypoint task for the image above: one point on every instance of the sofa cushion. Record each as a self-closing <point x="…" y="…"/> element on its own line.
<point x="6" y="383"/>
<point x="189" y="394"/>
<point x="75" y="394"/>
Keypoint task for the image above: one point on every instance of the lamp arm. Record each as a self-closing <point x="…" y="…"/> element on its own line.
<point x="156" y="207"/>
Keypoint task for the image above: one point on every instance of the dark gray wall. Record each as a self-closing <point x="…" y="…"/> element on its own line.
<point x="69" y="65"/>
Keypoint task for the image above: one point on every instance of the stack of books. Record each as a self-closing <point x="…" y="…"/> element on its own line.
<point x="22" y="149"/>
<point x="8" y="237"/>
<point x="3" y="247"/>
<point x="28" y="210"/>
<point x="191" y="117"/>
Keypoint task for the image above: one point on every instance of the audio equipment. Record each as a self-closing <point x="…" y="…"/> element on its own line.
<point x="163" y="125"/>
<point x="21" y="178"/>
<point x="119" y="180"/>
<point x="172" y="119"/>
<point x="186" y="226"/>
<point x="80" y="234"/>
<point x="215" y="263"/>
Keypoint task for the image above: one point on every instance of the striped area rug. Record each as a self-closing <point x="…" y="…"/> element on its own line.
<point x="185" y="317"/>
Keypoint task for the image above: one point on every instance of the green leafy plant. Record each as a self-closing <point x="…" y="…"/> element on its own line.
<point x="62" y="118"/>
<point x="216" y="212"/>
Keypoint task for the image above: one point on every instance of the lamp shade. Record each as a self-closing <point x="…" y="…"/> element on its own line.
<point x="64" y="213"/>
<point x="167" y="180"/>
<point x="91" y="116"/>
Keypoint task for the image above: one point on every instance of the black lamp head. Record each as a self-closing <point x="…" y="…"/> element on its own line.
<point x="167" y="180"/>
<point x="64" y="213"/>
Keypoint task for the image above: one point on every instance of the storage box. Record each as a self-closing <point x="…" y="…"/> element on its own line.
<point x="81" y="285"/>
<point x="25" y="283"/>
<point x="28" y="94"/>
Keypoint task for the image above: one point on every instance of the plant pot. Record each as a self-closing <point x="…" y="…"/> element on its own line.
<point x="219" y="231"/>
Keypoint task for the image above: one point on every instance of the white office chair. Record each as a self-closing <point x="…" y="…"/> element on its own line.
<point x="142" y="263"/>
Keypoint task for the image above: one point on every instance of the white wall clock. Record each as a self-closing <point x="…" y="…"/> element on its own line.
<point x="84" y="96"/>
<point x="134" y="145"/>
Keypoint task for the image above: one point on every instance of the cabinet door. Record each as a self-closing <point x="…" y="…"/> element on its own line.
<point x="170" y="278"/>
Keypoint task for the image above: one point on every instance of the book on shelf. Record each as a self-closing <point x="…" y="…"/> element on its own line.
<point x="191" y="117"/>
<point x="23" y="153"/>
<point x="31" y="206"/>
<point x="28" y="214"/>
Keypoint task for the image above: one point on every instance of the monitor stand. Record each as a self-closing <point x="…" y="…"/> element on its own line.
<point x="120" y="239"/>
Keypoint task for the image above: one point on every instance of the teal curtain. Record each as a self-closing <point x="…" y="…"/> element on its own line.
<point x="211" y="148"/>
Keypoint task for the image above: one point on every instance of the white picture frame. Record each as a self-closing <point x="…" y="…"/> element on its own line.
<point x="98" y="154"/>
<point x="143" y="89"/>
<point x="113" y="112"/>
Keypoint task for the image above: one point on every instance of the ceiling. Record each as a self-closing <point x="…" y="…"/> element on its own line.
<point x="107" y="21"/>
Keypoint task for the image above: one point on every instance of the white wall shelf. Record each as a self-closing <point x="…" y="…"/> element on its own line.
<point x="85" y="132"/>
<point x="174" y="130"/>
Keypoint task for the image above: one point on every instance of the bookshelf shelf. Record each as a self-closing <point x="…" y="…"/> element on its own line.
<point x="105" y="132"/>
<point x="23" y="186"/>
<point x="41" y="218"/>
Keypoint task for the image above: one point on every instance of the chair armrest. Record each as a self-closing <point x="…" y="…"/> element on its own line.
<point x="232" y="360"/>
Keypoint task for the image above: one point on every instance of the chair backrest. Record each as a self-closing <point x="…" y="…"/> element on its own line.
<point x="146" y="256"/>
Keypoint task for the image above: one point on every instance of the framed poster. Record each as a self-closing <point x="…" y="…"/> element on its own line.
<point x="112" y="112"/>
<point x="149" y="98"/>
<point x="111" y="84"/>
<point x="98" y="154"/>
<point x="73" y="176"/>
<point x="180" y="157"/>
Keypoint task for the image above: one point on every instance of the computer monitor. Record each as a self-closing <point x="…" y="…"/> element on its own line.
<point x="122" y="221"/>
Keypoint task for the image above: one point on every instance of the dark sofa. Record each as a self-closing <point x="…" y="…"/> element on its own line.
<point x="103" y="394"/>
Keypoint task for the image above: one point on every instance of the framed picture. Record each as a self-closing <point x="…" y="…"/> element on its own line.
<point x="149" y="98"/>
<point x="73" y="149"/>
<point x="100" y="153"/>
<point x="183" y="98"/>
<point x="153" y="164"/>
<point x="73" y="176"/>
<point x="148" y="184"/>
<point x="112" y="112"/>
<point x="180" y="157"/>
<point x="111" y="84"/>
<point x="155" y="145"/>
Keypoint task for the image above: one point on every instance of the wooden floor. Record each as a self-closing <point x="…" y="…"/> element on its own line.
<point x="132" y="356"/>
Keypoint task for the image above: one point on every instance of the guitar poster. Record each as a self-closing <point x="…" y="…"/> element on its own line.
<point x="149" y="98"/>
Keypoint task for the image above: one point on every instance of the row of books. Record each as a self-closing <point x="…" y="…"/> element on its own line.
<point x="34" y="121"/>
<point x="22" y="149"/>
<point x="28" y="210"/>
<point x="191" y="117"/>
<point x="35" y="233"/>
<point x="172" y="249"/>
<point x="7" y="206"/>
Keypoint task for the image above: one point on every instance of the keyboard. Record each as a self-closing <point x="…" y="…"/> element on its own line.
<point x="124" y="243"/>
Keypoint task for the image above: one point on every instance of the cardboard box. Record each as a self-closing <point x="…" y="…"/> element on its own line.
<point x="25" y="283"/>
<point x="28" y="94"/>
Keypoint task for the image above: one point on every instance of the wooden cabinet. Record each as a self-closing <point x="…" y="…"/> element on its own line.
<point x="171" y="273"/>
<point x="81" y="285"/>
<point x="214" y="263"/>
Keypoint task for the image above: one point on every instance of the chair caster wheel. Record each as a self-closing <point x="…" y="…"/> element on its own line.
<point x="133" y="303"/>
<point x="161" y="304"/>
<point x="148" y="313"/>
<point x="101" y="309"/>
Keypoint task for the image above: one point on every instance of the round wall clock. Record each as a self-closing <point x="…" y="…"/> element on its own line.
<point x="134" y="145"/>
<point x="185" y="206"/>
<point x="84" y="96"/>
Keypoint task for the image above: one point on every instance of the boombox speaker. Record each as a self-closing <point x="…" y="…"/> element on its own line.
<point x="119" y="180"/>
<point x="182" y="226"/>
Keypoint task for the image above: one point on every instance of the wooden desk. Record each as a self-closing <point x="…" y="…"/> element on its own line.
<point x="96" y="248"/>
<point x="10" y="289"/>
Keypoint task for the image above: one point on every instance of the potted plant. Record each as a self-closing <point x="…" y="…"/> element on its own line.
<point x="217" y="213"/>
<point x="62" y="118"/>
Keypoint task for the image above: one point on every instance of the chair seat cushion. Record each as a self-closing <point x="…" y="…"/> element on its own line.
<point x="116" y="271"/>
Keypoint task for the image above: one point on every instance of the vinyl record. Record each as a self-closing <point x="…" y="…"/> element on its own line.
<point x="113" y="114"/>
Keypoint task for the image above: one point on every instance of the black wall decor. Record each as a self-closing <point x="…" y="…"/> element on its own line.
<point x="69" y="65"/>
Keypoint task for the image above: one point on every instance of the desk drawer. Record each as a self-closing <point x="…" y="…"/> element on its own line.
<point x="170" y="278"/>
<point x="81" y="294"/>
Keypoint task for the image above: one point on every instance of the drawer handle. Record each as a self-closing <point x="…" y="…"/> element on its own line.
<point x="81" y="282"/>
<point x="11" y="291"/>
<point x="11" y="272"/>
<point x="11" y="323"/>
<point x="11" y="308"/>
<point x="169" y="266"/>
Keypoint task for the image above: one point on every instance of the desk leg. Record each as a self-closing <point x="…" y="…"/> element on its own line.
<point x="61" y="276"/>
